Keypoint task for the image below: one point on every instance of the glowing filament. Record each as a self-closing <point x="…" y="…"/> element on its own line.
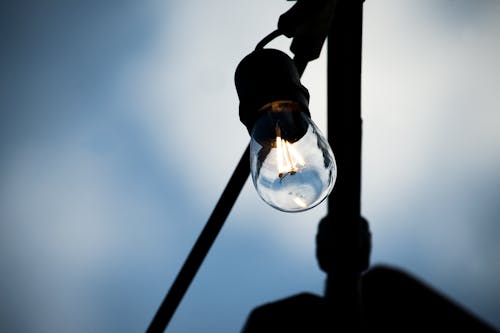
<point x="289" y="160"/>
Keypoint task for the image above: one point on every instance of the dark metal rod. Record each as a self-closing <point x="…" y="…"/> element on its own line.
<point x="202" y="245"/>
<point x="344" y="135"/>
<point x="344" y="104"/>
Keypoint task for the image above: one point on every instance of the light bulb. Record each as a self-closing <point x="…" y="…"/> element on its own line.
<point x="292" y="165"/>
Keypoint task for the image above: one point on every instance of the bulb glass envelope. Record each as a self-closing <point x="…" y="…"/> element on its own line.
<point x="292" y="165"/>
<point x="290" y="173"/>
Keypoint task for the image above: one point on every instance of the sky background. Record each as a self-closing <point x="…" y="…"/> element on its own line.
<point x="119" y="130"/>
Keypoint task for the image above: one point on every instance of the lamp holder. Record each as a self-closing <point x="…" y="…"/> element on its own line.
<point x="266" y="76"/>
<point x="308" y="23"/>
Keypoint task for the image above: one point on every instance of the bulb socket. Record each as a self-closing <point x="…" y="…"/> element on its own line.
<point x="266" y="76"/>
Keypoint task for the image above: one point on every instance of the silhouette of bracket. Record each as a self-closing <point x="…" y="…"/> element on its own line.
<point x="308" y="23"/>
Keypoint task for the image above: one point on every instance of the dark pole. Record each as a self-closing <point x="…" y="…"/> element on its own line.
<point x="342" y="242"/>
<point x="202" y="245"/>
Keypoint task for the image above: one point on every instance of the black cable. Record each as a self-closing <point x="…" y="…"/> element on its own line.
<point x="268" y="38"/>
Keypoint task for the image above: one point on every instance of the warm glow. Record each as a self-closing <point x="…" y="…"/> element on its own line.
<point x="295" y="154"/>
<point x="289" y="160"/>
<point x="281" y="164"/>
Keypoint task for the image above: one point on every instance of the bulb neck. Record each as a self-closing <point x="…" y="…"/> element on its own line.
<point x="284" y="119"/>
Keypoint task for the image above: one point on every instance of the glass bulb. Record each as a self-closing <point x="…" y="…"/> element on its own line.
<point x="292" y="164"/>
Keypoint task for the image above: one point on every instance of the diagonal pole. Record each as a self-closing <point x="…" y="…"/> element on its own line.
<point x="207" y="237"/>
<point x="202" y="245"/>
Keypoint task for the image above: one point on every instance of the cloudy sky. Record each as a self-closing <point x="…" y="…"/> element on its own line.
<point x="120" y="129"/>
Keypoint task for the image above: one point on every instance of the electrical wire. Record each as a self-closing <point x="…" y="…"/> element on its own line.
<point x="268" y="38"/>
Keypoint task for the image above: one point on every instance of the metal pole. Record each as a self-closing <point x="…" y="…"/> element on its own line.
<point x="202" y="245"/>
<point x="341" y="253"/>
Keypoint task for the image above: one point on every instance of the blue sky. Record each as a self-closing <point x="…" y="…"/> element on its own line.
<point x="120" y="129"/>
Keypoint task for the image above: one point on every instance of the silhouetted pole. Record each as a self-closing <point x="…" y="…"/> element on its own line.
<point x="202" y="246"/>
<point x="343" y="237"/>
<point x="392" y="300"/>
